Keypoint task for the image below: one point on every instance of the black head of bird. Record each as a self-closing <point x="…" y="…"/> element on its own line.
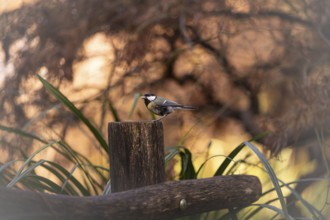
<point x="161" y="106"/>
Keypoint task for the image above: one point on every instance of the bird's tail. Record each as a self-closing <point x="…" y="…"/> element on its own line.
<point x="186" y="107"/>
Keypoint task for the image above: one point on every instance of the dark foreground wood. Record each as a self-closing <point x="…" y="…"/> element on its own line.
<point x="136" y="152"/>
<point x="161" y="201"/>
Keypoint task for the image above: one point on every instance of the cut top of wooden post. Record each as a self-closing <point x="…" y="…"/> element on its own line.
<point x="136" y="154"/>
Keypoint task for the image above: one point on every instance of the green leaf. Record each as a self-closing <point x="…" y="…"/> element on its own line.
<point x="76" y="158"/>
<point x="65" y="183"/>
<point x="236" y="164"/>
<point x="113" y="111"/>
<point x="41" y="184"/>
<point x="7" y="172"/>
<point x="185" y="136"/>
<point x="64" y="176"/>
<point x="107" y="189"/>
<point x="204" y="163"/>
<point x="273" y="178"/>
<point x="6" y="165"/>
<point x="275" y="209"/>
<point x="316" y="214"/>
<point x="136" y="99"/>
<point x="22" y="133"/>
<point x="173" y="151"/>
<point x="227" y="161"/>
<point x="187" y="167"/>
<point x="82" y="189"/>
<point x="31" y="168"/>
<point x="55" y="92"/>
<point x="220" y="171"/>
<point x="19" y="172"/>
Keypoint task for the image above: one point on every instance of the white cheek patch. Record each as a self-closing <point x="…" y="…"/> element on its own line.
<point x="151" y="98"/>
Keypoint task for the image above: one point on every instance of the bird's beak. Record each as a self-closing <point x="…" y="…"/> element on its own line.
<point x="143" y="97"/>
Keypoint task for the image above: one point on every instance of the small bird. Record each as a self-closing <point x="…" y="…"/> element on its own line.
<point x="161" y="106"/>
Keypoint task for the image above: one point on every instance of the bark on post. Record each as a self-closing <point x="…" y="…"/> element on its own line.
<point x="136" y="154"/>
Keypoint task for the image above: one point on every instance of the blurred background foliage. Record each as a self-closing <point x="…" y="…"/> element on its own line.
<point x="249" y="66"/>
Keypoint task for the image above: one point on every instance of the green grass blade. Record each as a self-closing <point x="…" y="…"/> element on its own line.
<point x="6" y="165"/>
<point x="113" y="111"/>
<point x="7" y="173"/>
<point x="22" y="133"/>
<point x="173" y="151"/>
<point x="65" y="183"/>
<point x="227" y="161"/>
<point x="136" y="99"/>
<point x="275" y="209"/>
<point x="73" y="187"/>
<point x="27" y="161"/>
<point x="107" y="189"/>
<point x="231" y="170"/>
<point x="55" y="92"/>
<point x="57" y="170"/>
<point x="204" y="163"/>
<point x="316" y="214"/>
<point x="31" y="168"/>
<point x="186" y="135"/>
<point x="40" y="183"/>
<point x="76" y="159"/>
<point x="187" y="166"/>
<point x="220" y="171"/>
<point x="273" y="178"/>
<point x="69" y="190"/>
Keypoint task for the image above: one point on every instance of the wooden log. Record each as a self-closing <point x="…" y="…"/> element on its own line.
<point x="161" y="201"/>
<point x="136" y="151"/>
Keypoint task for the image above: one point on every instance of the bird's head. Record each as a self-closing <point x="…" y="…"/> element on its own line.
<point x="149" y="97"/>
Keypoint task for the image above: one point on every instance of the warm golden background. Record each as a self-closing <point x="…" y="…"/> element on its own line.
<point x="249" y="66"/>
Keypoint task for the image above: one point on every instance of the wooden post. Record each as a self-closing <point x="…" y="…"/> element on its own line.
<point x="136" y="154"/>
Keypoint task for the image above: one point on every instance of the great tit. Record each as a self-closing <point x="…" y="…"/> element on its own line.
<point x="161" y="106"/>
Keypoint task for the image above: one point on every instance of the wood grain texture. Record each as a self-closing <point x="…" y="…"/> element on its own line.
<point x="160" y="201"/>
<point x="136" y="151"/>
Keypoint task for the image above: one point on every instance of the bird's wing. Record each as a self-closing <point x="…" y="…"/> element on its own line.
<point x="170" y="103"/>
